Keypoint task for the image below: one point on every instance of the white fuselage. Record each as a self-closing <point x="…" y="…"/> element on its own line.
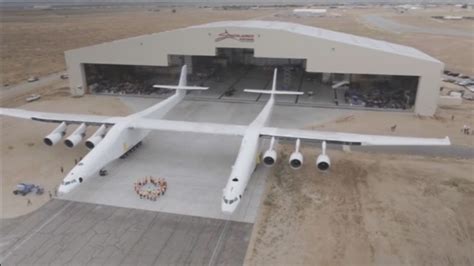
<point x="246" y="161"/>
<point x="119" y="139"/>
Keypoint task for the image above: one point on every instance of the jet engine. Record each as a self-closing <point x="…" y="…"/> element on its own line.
<point x="270" y="156"/>
<point x="56" y="135"/>
<point x="76" y="136"/>
<point x="296" y="158"/>
<point x="96" y="138"/>
<point x="323" y="162"/>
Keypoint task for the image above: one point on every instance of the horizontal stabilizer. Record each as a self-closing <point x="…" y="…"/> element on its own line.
<point x="171" y="87"/>
<point x="275" y="92"/>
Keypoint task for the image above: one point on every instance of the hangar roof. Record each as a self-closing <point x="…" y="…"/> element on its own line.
<point x="324" y="34"/>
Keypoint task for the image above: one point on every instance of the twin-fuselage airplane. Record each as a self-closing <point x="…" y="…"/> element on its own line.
<point x="117" y="135"/>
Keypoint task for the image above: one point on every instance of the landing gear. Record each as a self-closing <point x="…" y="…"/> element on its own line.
<point x="126" y="154"/>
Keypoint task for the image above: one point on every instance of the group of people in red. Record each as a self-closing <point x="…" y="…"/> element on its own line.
<point x="150" y="188"/>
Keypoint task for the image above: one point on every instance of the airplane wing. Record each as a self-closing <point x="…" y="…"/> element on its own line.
<point x="191" y="127"/>
<point x="57" y="117"/>
<point x="352" y="139"/>
<point x="329" y="137"/>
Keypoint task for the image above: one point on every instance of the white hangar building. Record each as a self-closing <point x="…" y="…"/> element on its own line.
<point x="375" y="74"/>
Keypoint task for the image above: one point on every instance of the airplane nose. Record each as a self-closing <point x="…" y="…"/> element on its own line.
<point x="228" y="208"/>
<point x="62" y="189"/>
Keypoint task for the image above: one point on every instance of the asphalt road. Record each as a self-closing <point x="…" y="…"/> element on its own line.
<point x="395" y="27"/>
<point x="25" y="87"/>
<point x="74" y="233"/>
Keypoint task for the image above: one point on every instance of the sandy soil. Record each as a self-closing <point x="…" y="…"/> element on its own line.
<point x="368" y="210"/>
<point x="423" y="18"/>
<point x="24" y="155"/>
<point x="455" y="52"/>
<point x="439" y="126"/>
<point x="33" y="42"/>
<point x="441" y="47"/>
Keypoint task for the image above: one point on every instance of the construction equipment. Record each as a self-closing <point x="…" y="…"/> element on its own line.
<point x="24" y="189"/>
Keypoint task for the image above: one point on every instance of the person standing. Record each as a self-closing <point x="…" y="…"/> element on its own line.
<point x="393" y="128"/>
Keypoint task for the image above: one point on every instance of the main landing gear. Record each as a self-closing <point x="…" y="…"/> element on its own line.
<point x="126" y="154"/>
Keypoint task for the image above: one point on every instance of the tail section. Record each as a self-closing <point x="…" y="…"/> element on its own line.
<point x="182" y="85"/>
<point x="274" y="91"/>
<point x="183" y="78"/>
<point x="274" y="84"/>
<point x="161" y="108"/>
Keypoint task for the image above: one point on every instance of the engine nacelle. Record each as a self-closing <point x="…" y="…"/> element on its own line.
<point x="76" y="136"/>
<point x="56" y="135"/>
<point x="323" y="162"/>
<point x="296" y="160"/>
<point x="96" y="138"/>
<point x="269" y="157"/>
<point x="93" y="141"/>
<point x="73" y="140"/>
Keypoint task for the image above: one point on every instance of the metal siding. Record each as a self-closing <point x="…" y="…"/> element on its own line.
<point x="351" y="54"/>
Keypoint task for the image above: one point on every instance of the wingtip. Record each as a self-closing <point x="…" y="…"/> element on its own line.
<point x="447" y="140"/>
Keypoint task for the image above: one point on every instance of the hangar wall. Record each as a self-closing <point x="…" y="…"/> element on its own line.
<point x="325" y="51"/>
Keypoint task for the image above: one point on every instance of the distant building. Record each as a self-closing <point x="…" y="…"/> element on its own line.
<point x="309" y="11"/>
<point x="453" y="17"/>
<point x="42" y="7"/>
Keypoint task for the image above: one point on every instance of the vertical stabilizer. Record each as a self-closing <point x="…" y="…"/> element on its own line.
<point x="182" y="85"/>
<point x="274" y="91"/>
<point x="183" y="78"/>
<point x="275" y="72"/>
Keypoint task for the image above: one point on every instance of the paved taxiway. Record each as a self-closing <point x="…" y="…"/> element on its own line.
<point x="196" y="166"/>
<point x="73" y="233"/>
<point x="387" y="24"/>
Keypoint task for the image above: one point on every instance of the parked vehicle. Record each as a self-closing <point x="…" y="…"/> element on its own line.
<point x="33" y="97"/>
<point x="25" y="189"/>
<point x="33" y="79"/>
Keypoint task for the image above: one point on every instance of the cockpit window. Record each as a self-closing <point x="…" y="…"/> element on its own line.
<point x="235" y="179"/>
<point x="227" y="201"/>
<point x="69" y="182"/>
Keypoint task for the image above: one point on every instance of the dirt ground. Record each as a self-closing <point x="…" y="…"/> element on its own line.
<point x="24" y="156"/>
<point x="369" y="209"/>
<point x="407" y="124"/>
<point x="455" y="52"/>
<point x="33" y="41"/>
